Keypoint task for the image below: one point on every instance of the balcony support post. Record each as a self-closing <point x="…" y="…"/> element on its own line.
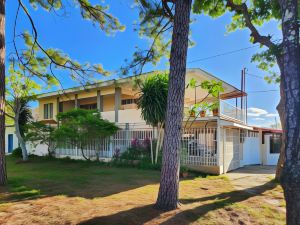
<point x="57" y="109"/>
<point x="99" y="101"/>
<point x="76" y="101"/>
<point x="218" y="142"/>
<point x="117" y="103"/>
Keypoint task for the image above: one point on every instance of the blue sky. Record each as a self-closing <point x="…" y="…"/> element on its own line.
<point x="87" y="43"/>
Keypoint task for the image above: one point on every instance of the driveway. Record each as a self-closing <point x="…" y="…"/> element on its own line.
<point x="249" y="177"/>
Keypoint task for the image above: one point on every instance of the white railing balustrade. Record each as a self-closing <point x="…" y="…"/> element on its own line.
<point x="230" y="111"/>
<point x="199" y="147"/>
<point x="226" y="110"/>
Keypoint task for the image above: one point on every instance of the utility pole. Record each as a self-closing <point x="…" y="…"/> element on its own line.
<point x="244" y="99"/>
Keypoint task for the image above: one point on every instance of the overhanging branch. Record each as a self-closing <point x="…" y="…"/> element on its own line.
<point x="257" y="37"/>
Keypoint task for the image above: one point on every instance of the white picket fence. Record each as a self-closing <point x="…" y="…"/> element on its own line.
<point x="198" y="145"/>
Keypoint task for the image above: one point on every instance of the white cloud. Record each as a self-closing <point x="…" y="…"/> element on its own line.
<point x="256" y="112"/>
<point x="272" y="115"/>
<point x="258" y="119"/>
<point x="261" y="117"/>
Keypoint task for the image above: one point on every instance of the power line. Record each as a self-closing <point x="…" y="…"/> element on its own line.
<point x="261" y="91"/>
<point x="253" y="75"/>
<point x="229" y="52"/>
<point x="224" y="53"/>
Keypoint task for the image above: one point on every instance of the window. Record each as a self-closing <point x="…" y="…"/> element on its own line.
<point x="275" y="144"/>
<point x="48" y="111"/>
<point x="61" y="107"/>
<point x="89" y="106"/>
<point x="242" y="136"/>
<point x="128" y="101"/>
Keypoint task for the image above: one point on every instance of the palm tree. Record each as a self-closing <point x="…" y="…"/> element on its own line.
<point x="25" y="116"/>
<point x="153" y="104"/>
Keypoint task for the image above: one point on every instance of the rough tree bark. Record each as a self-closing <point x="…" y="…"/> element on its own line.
<point x="266" y="41"/>
<point x="281" y="112"/>
<point x="169" y="183"/>
<point x="3" y="175"/>
<point x="290" y="178"/>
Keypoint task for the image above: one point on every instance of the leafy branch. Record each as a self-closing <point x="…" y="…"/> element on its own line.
<point x="156" y="19"/>
<point x="41" y="62"/>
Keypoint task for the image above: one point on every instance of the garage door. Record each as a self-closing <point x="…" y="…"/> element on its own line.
<point x="251" y="151"/>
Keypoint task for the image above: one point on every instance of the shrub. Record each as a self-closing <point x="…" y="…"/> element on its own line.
<point x="117" y="153"/>
<point x="138" y="150"/>
<point x="136" y="153"/>
<point x="183" y="169"/>
<point x="141" y="145"/>
<point x="17" y="152"/>
<point x="132" y="153"/>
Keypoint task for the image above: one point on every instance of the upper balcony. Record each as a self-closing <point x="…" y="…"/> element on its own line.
<point x="224" y="111"/>
<point x="229" y="111"/>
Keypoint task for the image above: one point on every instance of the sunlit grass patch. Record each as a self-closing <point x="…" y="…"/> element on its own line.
<point x="70" y="192"/>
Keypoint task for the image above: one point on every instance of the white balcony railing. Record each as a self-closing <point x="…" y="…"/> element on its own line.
<point x="228" y="110"/>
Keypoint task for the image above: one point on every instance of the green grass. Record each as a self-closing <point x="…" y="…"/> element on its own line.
<point x="46" y="177"/>
<point x="43" y="188"/>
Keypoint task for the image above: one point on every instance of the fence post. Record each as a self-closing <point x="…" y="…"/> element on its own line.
<point x="127" y="138"/>
<point x="111" y="146"/>
<point x="76" y="150"/>
<point x="218" y="142"/>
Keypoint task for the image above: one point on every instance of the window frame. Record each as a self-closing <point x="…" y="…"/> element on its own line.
<point x="48" y="111"/>
<point x="128" y="101"/>
<point x="273" y="149"/>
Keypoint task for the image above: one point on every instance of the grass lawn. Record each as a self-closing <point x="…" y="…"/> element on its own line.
<point x="66" y="192"/>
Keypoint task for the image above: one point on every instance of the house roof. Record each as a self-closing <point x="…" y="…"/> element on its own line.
<point x="231" y="91"/>
<point x="267" y="130"/>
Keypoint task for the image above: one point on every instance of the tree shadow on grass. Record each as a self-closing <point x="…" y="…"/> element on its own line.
<point x="40" y="178"/>
<point x="141" y="215"/>
<point x="39" y="188"/>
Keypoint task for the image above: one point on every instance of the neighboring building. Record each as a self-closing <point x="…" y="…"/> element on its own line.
<point x="270" y="141"/>
<point x="213" y="143"/>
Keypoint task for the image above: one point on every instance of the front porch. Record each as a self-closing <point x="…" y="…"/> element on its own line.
<point x="206" y="147"/>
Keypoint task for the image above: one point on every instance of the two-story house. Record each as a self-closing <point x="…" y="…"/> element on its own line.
<point x="215" y="142"/>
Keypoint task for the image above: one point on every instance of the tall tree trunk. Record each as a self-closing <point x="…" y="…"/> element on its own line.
<point x="281" y="112"/>
<point x="19" y="136"/>
<point x="169" y="183"/>
<point x="3" y="175"/>
<point x="290" y="178"/>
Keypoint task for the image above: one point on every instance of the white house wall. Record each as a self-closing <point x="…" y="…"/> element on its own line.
<point x="270" y="158"/>
<point x="39" y="150"/>
<point x="10" y="130"/>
